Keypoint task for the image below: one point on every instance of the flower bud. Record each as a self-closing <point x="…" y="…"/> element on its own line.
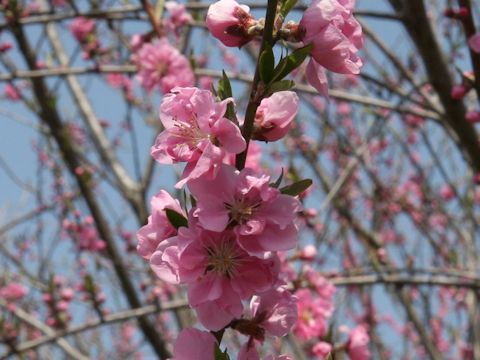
<point x="229" y="22"/>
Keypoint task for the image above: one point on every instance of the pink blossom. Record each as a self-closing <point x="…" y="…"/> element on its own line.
<point x="473" y="116"/>
<point x="85" y="234"/>
<point x="459" y="91"/>
<point x="357" y="346"/>
<point x="336" y="37"/>
<point x="5" y="46"/>
<point x="229" y="22"/>
<point x="261" y="217"/>
<point x="196" y="131"/>
<point x="136" y="42"/>
<point x="13" y="292"/>
<point x="11" y="92"/>
<point x="160" y="64"/>
<point x="178" y="15"/>
<point x="81" y="28"/>
<point x="474" y="43"/>
<point x="191" y="342"/>
<point x="317" y="77"/>
<point x="249" y="352"/>
<point x="313" y="314"/>
<point x="59" y="3"/>
<point x="275" y="311"/>
<point x="158" y="227"/>
<point x="274" y="116"/>
<point x="447" y="192"/>
<point x="217" y="272"/>
<point x="308" y="253"/>
<point x="321" y="350"/>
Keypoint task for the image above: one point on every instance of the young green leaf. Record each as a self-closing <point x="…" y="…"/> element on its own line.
<point x="176" y="219"/>
<point x="219" y="355"/>
<point x="287" y="5"/>
<point x="224" y="90"/>
<point x="277" y="183"/>
<point x="291" y="62"/>
<point x="277" y="86"/>
<point x="266" y="64"/>
<point x="296" y="188"/>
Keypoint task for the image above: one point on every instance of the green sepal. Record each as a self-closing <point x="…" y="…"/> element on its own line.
<point x="266" y="64"/>
<point x="291" y="62"/>
<point x="176" y="219"/>
<point x="221" y="355"/>
<point x="287" y="5"/>
<point x="277" y="86"/>
<point x="277" y="183"/>
<point x="224" y="89"/>
<point x="296" y="188"/>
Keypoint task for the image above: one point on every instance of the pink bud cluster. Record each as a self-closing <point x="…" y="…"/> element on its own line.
<point x="84" y="30"/>
<point x="328" y="25"/>
<point x="57" y="299"/>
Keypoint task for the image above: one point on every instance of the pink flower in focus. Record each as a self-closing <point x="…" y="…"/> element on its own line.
<point x="474" y="43"/>
<point x="274" y="116"/>
<point x="158" y="227"/>
<point x="357" y="346"/>
<point x="81" y="28"/>
<point x="196" y="132"/>
<point x="11" y="92"/>
<point x="13" y="292"/>
<point x="277" y="310"/>
<point x="229" y="22"/>
<point x="321" y="350"/>
<point x="336" y="37"/>
<point x="191" y="342"/>
<point x="217" y="272"/>
<point x="160" y="64"/>
<point x="248" y="352"/>
<point x="261" y="217"/>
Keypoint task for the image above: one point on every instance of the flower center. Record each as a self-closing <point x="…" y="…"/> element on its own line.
<point x="306" y="316"/>
<point x="162" y="69"/>
<point x="224" y="258"/>
<point x="189" y="132"/>
<point x="241" y="211"/>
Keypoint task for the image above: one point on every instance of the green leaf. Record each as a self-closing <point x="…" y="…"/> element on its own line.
<point x="266" y="64"/>
<point x="287" y="5"/>
<point x="176" y="219"/>
<point x="224" y="90"/>
<point x="219" y="355"/>
<point x="296" y="188"/>
<point x="281" y="85"/>
<point x="291" y="62"/>
<point x="277" y="183"/>
<point x="89" y="284"/>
